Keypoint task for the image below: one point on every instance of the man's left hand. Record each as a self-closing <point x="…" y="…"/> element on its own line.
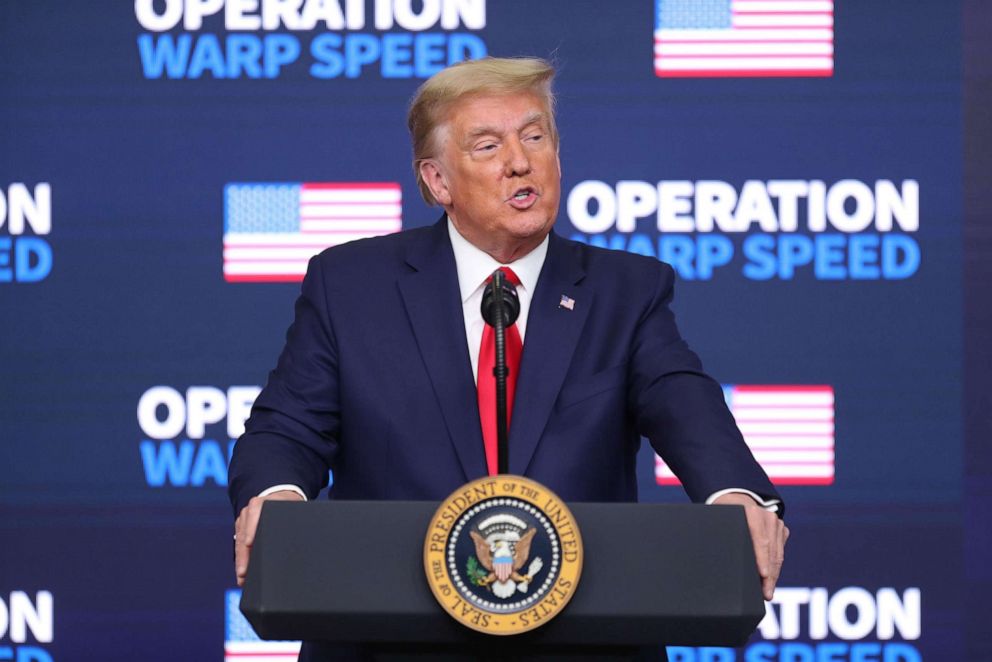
<point x="768" y="534"/>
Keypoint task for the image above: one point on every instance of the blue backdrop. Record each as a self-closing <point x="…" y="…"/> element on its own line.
<point x="811" y="202"/>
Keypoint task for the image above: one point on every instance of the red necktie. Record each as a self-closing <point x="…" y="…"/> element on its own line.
<point x="487" y="381"/>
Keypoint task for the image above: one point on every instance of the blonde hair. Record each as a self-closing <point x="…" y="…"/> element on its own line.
<point x="489" y="75"/>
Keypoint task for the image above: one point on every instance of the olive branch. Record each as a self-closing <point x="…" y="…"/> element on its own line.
<point x="476" y="574"/>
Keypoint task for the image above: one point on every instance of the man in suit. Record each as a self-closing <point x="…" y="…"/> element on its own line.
<point x="380" y="377"/>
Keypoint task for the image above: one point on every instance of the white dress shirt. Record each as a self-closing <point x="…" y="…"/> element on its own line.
<point x="474" y="266"/>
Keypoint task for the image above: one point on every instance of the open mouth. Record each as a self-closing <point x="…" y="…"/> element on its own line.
<point x="523" y="195"/>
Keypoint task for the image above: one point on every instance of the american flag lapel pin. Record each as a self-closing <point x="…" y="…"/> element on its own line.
<point x="566" y="302"/>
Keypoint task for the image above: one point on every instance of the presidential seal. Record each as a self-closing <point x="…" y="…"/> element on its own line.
<point x="503" y="555"/>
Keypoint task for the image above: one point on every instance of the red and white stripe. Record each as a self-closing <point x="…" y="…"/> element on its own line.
<point x="261" y="651"/>
<point x="767" y="38"/>
<point x="789" y="429"/>
<point x="330" y="214"/>
<point x="345" y="209"/>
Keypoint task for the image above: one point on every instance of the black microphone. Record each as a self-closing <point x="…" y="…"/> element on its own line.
<point x="490" y="302"/>
<point x="500" y="309"/>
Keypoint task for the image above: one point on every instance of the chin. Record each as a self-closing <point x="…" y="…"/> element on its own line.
<point x="526" y="228"/>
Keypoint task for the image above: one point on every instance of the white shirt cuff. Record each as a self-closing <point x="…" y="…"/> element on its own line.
<point x="771" y="505"/>
<point x="279" y="488"/>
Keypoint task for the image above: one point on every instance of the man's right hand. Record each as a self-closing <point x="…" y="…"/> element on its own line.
<point x="244" y="529"/>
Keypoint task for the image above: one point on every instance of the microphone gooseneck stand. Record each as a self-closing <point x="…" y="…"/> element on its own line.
<point x="500" y="309"/>
<point x="500" y="371"/>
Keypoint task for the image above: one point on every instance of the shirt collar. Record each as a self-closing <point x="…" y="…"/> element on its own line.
<point x="474" y="266"/>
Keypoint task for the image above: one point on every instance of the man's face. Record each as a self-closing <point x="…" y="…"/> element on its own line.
<point x="497" y="173"/>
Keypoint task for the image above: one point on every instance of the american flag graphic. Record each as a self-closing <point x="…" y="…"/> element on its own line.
<point x="737" y="38"/>
<point x="790" y="430"/>
<point x="241" y="644"/>
<point x="272" y="230"/>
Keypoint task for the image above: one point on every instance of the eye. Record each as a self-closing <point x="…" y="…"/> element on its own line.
<point x="534" y="137"/>
<point x="485" y="147"/>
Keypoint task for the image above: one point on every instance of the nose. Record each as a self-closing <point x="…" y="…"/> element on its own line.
<point x="517" y="162"/>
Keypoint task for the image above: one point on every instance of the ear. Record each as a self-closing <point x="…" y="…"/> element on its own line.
<point x="430" y="172"/>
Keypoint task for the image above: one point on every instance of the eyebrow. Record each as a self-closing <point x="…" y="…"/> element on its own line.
<point x="534" y="118"/>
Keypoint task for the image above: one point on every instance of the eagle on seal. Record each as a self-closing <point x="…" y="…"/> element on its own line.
<point x="503" y="557"/>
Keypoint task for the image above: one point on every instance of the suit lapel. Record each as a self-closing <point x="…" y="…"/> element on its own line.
<point x="549" y="345"/>
<point x="433" y="305"/>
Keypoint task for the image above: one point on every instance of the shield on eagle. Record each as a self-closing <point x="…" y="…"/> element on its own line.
<point x="503" y="563"/>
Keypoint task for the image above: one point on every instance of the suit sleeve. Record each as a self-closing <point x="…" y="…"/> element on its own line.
<point x="682" y="410"/>
<point x="291" y="435"/>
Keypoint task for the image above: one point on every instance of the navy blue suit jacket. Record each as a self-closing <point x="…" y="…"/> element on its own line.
<point x="375" y="382"/>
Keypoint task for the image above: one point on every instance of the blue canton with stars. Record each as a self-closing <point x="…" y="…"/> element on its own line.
<point x="692" y="14"/>
<point x="262" y="208"/>
<point x="237" y="626"/>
